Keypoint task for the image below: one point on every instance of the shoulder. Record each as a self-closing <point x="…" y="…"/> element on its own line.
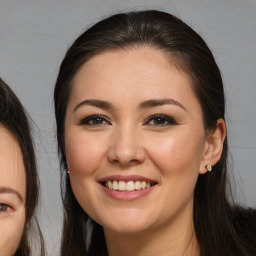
<point x="244" y="222"/>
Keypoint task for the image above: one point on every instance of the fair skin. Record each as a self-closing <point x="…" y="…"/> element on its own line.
<point x="133" y="121"/>
<point x="12" y="193"/>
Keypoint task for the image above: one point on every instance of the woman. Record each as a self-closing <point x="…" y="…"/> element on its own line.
<point x="140" y="113"/>
<point x="18" y="179"/>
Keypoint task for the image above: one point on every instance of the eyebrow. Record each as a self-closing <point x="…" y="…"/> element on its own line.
<point x="95" y="103"/>
<point x="160" y="102"/>
<point x="11" y="191"/>
<point x="145" y="104"/>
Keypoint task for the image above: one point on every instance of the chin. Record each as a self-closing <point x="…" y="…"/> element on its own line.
<point x="126" y="229"/>
<point x="127" y="224"/>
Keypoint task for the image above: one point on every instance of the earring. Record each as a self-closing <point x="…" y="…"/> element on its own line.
<point x="208" y="167"/>
<point x="67" y="170"/>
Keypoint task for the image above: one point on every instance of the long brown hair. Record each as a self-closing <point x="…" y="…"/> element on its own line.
<point x="213" y="213"/>
<point x="13" y="117"/>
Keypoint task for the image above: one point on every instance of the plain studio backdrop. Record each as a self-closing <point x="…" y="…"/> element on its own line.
<point x="34" y="36"/>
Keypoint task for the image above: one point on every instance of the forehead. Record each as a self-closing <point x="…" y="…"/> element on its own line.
<point x="12" y="170"/>
<point x="141" y="69"/>
<point x="133" y="58"/>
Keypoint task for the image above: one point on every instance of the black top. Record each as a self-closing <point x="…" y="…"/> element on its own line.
<point x="245" y="228"/>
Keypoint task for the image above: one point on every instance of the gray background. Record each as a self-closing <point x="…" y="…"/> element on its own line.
<point x="35" y="35"/>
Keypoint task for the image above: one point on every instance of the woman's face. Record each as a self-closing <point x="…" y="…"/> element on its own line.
<point x="12" y="193"/>
<point x="134" y="140"/>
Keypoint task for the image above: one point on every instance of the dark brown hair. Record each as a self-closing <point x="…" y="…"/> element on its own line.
<point x="13" y="117"/>
<point x="214" y="215"/>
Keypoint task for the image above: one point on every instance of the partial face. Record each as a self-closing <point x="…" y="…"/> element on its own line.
<point x="134" y="140"/>
<point x="12" y="193"/>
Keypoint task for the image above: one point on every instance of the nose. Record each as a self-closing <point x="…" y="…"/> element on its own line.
<point x="126" y="148"/>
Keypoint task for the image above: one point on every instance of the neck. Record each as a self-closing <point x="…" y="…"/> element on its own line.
<point x="178" y="239"/>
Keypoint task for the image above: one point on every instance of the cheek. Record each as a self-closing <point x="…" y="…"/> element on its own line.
<point x="177" y="153"/>
<point x="11" y="232"/>
<point x="84" y="154"/>
<point x="177" y="161"/>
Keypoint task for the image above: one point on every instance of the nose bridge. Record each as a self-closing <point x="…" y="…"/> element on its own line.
<point x="126" y="147"/>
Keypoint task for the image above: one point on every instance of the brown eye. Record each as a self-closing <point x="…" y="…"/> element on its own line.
<point x="94" y="120"/>
<point x="160" y="120"/>
<point x="4" y="207"/>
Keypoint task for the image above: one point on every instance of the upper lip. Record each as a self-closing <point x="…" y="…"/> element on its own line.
<point x="126" y="178"/>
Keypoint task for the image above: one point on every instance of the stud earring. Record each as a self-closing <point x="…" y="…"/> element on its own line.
<point x="208" y="167"/>
<point x="67" y="170"/>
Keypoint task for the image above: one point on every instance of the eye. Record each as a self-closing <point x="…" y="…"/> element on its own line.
<point x="95" y="120"/>
<point x="4" y="208"/>
<point x="160" y="120"/>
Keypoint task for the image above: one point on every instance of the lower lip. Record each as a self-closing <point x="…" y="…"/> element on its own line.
<point x="127" y="195"/>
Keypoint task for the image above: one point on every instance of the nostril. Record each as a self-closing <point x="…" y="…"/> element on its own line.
<point x="123" y="162"/>
<point x="126" y="156"/>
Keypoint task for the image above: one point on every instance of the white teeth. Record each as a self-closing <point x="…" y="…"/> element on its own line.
<point x="130" y="186"/>
<point x="127" y="186"/>
<point x="109" y="184"/>
<point x="115" y="185"/>
<point x="137" y="185"/>
<point x="122" y="186"/>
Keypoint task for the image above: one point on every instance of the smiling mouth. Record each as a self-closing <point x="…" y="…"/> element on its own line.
<point x="129" y="186"/>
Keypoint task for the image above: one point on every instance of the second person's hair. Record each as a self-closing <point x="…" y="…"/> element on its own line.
<point x="13" y="117"/>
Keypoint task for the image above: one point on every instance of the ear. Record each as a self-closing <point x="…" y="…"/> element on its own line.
<point x="213" y="146"/>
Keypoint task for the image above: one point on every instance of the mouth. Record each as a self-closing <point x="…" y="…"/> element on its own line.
<point x="128" y="186"/>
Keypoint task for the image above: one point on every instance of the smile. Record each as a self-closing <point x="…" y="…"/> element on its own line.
<point x="127" y="186"/>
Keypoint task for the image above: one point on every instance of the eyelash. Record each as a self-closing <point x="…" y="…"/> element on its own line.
<point x="161" y="120"/>
<point x="158" y="119"/>
<point x="97" y="119"/>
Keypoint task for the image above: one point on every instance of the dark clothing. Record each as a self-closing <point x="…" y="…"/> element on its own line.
<point x="245" y="228"/>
